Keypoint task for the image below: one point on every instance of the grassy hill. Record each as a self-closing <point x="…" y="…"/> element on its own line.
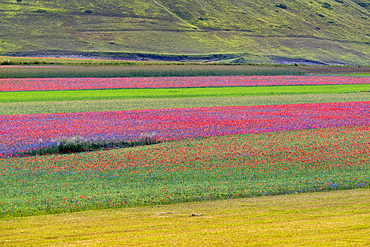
<point x="325" y="31"/>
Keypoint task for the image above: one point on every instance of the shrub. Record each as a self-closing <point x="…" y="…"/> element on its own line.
<point x="326" y="5"/>
<point x="282" y="6"/>
<point x="78" y="144"/>
<point x="364" y="5"/>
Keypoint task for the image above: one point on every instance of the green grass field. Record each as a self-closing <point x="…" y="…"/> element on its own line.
<point x="140" y="104"/>
<point x="336" y="218"/>
<point x="39" y="96"/>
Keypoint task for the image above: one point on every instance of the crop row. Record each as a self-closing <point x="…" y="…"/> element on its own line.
<point x="140" y="104"/>
<point x="150" y="71"/>
<point x="190" y="170"/>
<point x="36" y="84"/>
<point x="23" y="132"/>
<point x="167" y="93"/>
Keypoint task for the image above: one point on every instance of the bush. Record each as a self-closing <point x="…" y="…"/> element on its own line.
<point x="78" y="144"/>
<point x="282" y="6"/>
<point x="326" y="5"/>
<point x="364" y="5"/>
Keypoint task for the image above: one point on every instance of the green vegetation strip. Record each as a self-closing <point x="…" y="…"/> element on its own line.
<point x="138" y="104"/>
<point x="336" y="218"/>
<point x="151" y="69"/>
<point x="354" y="74"/>
<point x="39" y="96"/>
<point x="145" y="70"/>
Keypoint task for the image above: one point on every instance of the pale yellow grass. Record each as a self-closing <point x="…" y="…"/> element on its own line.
<point x="339" y="218"/>
<point x="136" y="104"/>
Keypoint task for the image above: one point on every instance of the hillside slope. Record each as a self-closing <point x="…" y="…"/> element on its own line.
<point x="363" y="3"/>
<point x="327" y="31"/>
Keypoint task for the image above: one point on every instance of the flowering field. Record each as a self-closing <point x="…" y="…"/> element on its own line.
<point x="190" y="170"/>
<point x="209" y="152"/>
<point x="36" y="84"/>
<point x="22" y="132"/>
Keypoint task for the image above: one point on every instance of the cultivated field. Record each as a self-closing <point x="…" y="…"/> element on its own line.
<point x="337" y="218"/>
<point x="266" y="142"/>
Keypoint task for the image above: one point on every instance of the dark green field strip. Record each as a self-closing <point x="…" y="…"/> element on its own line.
<point x="40" y="96"/>
<point x="354" y="74"/>
<point x="150" y="70"/>
<point x="145" y="70"/>
<point x="138" y="104"/>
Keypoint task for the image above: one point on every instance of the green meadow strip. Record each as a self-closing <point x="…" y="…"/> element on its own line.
<point x="139" y="104"/>
<point x="148" y="93"/>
